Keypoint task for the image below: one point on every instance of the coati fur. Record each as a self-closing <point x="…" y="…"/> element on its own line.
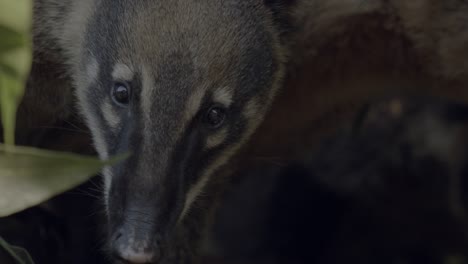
<point x="389" y="186"/>
<point x="346" y="53"/>
<point x="225" y="60"/>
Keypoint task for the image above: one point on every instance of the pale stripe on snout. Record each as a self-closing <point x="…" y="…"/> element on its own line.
<point x="92" y="71"/>
<point x="216" y="139"/>
<point x="250" y="111"/>
<point x="83" y="84"/>
<point x="194" y="102"/>
<point x="112" y="118"/>
<point x="223" y="96"/>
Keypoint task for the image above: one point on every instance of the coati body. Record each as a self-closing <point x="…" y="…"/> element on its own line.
<point x="389" y="187"/>
<point x="183" y="85"/>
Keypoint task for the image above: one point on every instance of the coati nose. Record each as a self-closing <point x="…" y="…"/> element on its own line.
<point x="129" y="249"/>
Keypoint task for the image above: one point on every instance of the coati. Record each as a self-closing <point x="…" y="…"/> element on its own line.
<point x="183" y="86"/>
<point x="402" y="168"/>
<point x="390" y="186"/>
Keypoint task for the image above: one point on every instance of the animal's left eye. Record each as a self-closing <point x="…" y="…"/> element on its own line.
<point x="121" y="94"/>
<point x="215" y="116"/>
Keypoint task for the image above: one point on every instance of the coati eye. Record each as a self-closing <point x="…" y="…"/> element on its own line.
<point x="121" y="94"/>
<point x="215" y="116"/>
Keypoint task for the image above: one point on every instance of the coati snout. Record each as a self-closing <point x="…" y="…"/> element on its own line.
<point x="134" y="241"/>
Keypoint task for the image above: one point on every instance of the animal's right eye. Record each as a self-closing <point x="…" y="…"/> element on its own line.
<point x="215" y="116"/>
<point x="121" y="94"/>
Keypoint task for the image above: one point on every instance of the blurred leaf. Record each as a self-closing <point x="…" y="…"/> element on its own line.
<point x="10" y="39"/>
<point x="22" y="254"/>
<point x="31" y="176"/>
<point x="15" y="37"/>
<point x="16" y="14"/>
<point x="13" y="255"/>
<point x="10" y="95"/>
<point x="17" y="62"/>
<point x="15" y="59"/>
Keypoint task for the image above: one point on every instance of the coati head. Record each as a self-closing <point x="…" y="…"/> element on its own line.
<point x="180" y="85"/>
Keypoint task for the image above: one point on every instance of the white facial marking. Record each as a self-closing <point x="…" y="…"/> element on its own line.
<point x="111" y="117"/>
<point x="198" y="187"/>
<point x="146" y="93"/>
<point x="106" y="172"/>
<point x="122" y="72"/>
<point x="107" y="176"/>
<point x="251" y="108"/>
<point x="92" y="70"/>
<point x="98" y="138"/>
<point x="193" y="194"/>
<point x="216" y="139"/>
<point x="194" y="103"/>
<point x="251" y="111"/>
<point x="83" y="83"/>
<point x="223" y="96"/>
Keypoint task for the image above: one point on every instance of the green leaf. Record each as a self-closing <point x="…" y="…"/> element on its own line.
<point x="15" y="37"/>
<point x="16" y="14"/>
<point x="13" y="255"/>
<point x="11" y="91"/>
<point x="22" y="254"/>
<point x="31" y="176"/>
<point x="10" y="39"/>
<point x="17" y="62"/>
<point x="15" y="59"/>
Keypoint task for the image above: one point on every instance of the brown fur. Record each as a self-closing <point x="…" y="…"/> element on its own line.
<point x="345" y="53"/>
